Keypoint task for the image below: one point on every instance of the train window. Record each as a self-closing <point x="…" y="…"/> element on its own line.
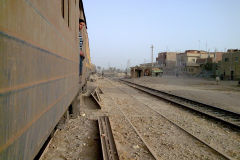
<point x="62" y="8"/>
<point x="68" y="13"/>
<point x="65" y="9"/>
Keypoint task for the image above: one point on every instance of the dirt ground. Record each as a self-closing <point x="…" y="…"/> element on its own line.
<point x="79" y="138"/>
<point x="220" y="137"/>
<point x="140" y="128"/>
<point x="166" y="141"/>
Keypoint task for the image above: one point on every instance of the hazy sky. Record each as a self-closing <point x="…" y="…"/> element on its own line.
<point x="125" y="29"/>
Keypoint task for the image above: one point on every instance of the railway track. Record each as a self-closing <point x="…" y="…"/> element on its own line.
<point x="154" y="155"/>
<point x="109" y="151"/>
<point x="220" y="153"/>
<point x="181" y="128"/>
<point x="141" y="137"/>
<point x="229" y="118"/>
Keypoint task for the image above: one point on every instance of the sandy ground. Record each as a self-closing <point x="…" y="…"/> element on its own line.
<point x="225" y="95"/>
<point x="165" y="139"/>
<point x="79" y="138"/>
<point x="222" y="138"/>
<point x="128" y="143"/>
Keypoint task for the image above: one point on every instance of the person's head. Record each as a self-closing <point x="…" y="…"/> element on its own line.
<point x="81" y="24"/>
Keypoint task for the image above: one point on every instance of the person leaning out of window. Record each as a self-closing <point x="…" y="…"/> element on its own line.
<point x="82" y="56"/>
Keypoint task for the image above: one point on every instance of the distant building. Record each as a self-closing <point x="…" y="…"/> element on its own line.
<point x="217" y="56"/>
<point x="193" y="62"/>
<point x="137" y="72"/>
<point x="167" y="61"/>
<point x="180" y="62"/>
<point x="186" y="62"/>
<point x="146" y="69"/>
<point x="230" y="65"/>
<point x="149" y="64"/>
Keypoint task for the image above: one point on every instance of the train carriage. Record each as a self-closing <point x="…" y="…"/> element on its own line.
<point x="39" y="71"/>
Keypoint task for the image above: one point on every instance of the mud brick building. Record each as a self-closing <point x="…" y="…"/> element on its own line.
<point x="186" y="62"/>
<point x="230" y="65"/>
<point x="167" y="61"/>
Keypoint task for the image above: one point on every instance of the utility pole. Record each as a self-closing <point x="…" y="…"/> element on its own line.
<point x="152" y="54"/>
<point x="215" y="55"/>
<point x="152" y="59"/>
<point x="206" y="46"/>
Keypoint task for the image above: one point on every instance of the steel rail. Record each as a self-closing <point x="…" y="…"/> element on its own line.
<point x="229" y="118"/>
<point x="109" y="150"/>
<point x="184" y="130"/>
<point x="136" y="131"/>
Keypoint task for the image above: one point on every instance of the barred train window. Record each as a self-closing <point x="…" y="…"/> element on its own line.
<point x="68" y="12"/>
<point x="62" y="8"/>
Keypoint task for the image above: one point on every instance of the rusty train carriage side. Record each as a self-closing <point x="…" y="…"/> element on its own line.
<point x="39" y="61"/>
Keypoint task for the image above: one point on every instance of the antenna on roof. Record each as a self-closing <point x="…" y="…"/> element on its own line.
<point x="206" y="46"/>
<point x="199" y="45"/>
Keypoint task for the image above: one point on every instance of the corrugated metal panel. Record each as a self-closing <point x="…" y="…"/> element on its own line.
<point x="38" y="75"/>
